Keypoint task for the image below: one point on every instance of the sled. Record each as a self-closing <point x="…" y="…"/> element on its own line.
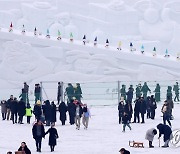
<point x="136" y="144"/>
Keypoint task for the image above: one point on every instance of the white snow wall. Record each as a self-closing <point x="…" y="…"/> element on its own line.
<point x="34" y="59"/>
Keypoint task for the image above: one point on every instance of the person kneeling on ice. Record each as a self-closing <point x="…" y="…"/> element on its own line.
<point x="150" y="136"/>
<point x="124" y="151"/>
<point x="167" y="132"/>
<point x="125" y="121"/>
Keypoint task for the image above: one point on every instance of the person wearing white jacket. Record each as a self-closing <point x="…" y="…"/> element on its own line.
<point x="150" y="136"/>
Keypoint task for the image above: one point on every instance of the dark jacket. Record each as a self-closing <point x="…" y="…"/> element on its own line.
<point x="53" y="112"/>
<point x="128" y="109"/>
<point x="21" y="108"/>
<point x="80" y="110"/>
<point x="14" y="106"/>
<point x="47" y="111"/>
<point x="26" y="150"/>
<point x="137" y="106"/>
<point x="53" y="135"/>
<point x="62" y="110"/>
<point x="125" y="119"/>
<point x="165" y="130"/>
<point x="130" y="95"/>
<point x="34" y="131"/>
<point x="121" y="109"/>
<point x="153" y="104"/>
<point x="143" y="107"/>
<point x="72" y="109"/>
<point x="37" y="111"/>
<point x="8" y="104"/>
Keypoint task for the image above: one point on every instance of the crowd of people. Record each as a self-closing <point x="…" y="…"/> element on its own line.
<point x="45" y="113"/>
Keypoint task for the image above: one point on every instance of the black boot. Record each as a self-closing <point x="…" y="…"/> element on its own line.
<point x="150" y="144"/>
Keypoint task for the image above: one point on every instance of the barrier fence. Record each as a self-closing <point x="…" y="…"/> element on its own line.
<point x="101" y="92"/>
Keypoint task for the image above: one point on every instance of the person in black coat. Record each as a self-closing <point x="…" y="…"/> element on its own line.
<point x="142" y="108"/>
<point x="59" y="93"/>
<point x="63" y="110"/>
<point x="72" y="112"/>
<point x="47" y="112"/>
<point x="53" y="135"/>
<point x="37" y="110"/>
<point x="167" y="132"/>
<point x="153" y="107"/>
<point x="128" y="109"/>
<point x="124" y="151"/>
<point x="14" y="110"/>
<point x="21" y="110"/>
<point x="24" y="148"/>
<point x="38" y="133"/>
<point x="121" y="111"/>
<point x="137" y="109"/>
<point x="53" y="113"/>
<point x="130" y="94"/>
<point x="148" y="103"/>
<point x="8" y="106"/>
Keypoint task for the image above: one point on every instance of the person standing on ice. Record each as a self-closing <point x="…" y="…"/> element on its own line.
<point x="176" y="90"/>
<point x="171" y="106"/>
<point x="150" y="136"/>
<point x="53" y="135"/>
<point x="148" y="102"/>
<point x="121" y="110"/>
<point x="63" y="110"/>
<point x="145" y="90"/>
<point x="128" y="109"/>
<point x="14" y="110"/>
<point x="143" y="108"/>
<point x="37" y="92"/>
<point x="70" y="92"/>
<point x="72" y="112"/>
<point x="167" y="132"/>
<point x="138" y="91"/>
<point x="123" y="91"/>
<point x="78" y="92"/>
<point x="28" y="113"/>
<point x="153" y="107"/>
<point x="86" y="115"/>
<point x="53" y="113"/>
<point x="21" y="111"/>
<point x="38" y="132"/>
<point x="78" y="115"/>
<point x="23" y="96"/>
<point x="137" y="109"/>
<point x="59" y="93"/>
<point x="130" y="94"/>
<point x="47" y="112"/>
<point x="169" y="92"/>
<point x="8" y="105"/>
<point x="166" y="113"/>
<point x="157" y="93"/>
<point x="37" y="110"/>
<point x="26" y="91"/>
<point x="3" y="109"/>
<point x="125" y="121"/>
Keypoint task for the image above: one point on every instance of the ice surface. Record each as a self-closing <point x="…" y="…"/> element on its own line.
<point x="104" y="134"/>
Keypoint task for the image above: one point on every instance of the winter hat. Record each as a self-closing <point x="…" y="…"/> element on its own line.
<point x="38" y="102"/>
<point x="155" y="131"/>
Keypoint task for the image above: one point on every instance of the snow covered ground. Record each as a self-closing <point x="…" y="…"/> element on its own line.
<point x="103" y="136"/>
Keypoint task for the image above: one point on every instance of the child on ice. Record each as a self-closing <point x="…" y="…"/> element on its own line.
<point x="125" y="121"/>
